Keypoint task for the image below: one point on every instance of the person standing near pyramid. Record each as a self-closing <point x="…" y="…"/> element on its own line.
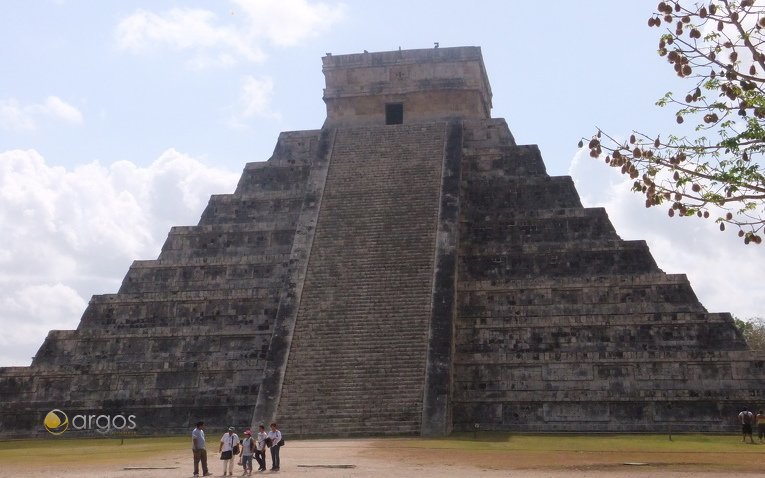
<point x="276" y="437"/>
<point x="199" y="449"/>
<point x="260" y="448"/>
<point x="227" y="443"/>
<point x="747" y="419"/>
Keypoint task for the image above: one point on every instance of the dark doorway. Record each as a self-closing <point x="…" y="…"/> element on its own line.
<point x="394" y="113"/>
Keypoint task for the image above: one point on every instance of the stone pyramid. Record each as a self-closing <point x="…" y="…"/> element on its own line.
<point x="405" y="269"/>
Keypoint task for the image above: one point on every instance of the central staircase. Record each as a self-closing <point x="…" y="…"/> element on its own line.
<point x="360" y="342"/>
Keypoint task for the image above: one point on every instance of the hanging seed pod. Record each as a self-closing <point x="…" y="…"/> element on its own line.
<point x="722" y="226"/>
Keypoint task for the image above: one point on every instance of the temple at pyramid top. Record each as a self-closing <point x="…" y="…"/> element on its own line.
<point x="406" y="86"/>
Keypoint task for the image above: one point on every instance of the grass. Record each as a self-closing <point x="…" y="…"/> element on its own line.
<point x="690" y="443"/>
<point x="496" y="450"/>
<point x="91" y="450"/>
<point x="691" y="452"/>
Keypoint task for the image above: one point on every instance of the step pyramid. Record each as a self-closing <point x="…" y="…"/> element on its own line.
<point x="407" y="269"/>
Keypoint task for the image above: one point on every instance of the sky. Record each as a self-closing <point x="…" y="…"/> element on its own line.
<point x="118" y="120"/>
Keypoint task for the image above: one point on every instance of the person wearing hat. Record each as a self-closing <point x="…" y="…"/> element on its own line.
<point x="248" y="449"/>
<point x="228" y="441"/>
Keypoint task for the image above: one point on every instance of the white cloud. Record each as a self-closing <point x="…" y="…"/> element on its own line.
<point x="14" y="117"/>
<point x="187" y="29"/>
<point x="725" y="273"/>
<point x="254" y="101"/>
<point x="17" y="117"/>
<point x="57" y="108"/>
<point x="35" y="310"/>
<point x="215" y="40"/>
<point x="256" y="97"/>
<point x="70" y="233"/>
<point x="288" y="22"/>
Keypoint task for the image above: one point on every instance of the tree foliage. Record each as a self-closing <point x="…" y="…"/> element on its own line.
<point x="715" y="171"/>
<point x="753" y="331"/>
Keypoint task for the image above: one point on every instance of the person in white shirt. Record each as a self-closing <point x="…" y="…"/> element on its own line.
<point x="276" y="436"/>
<point x="260" y="448"/>
<point x="227" y="443"/>
<point x="747" y="419"/>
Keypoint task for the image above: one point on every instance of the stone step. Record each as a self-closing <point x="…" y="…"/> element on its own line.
<point x="372" y="266"/>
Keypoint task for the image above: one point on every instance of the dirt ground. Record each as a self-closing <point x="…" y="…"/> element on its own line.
<point x="380" y="458"/>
